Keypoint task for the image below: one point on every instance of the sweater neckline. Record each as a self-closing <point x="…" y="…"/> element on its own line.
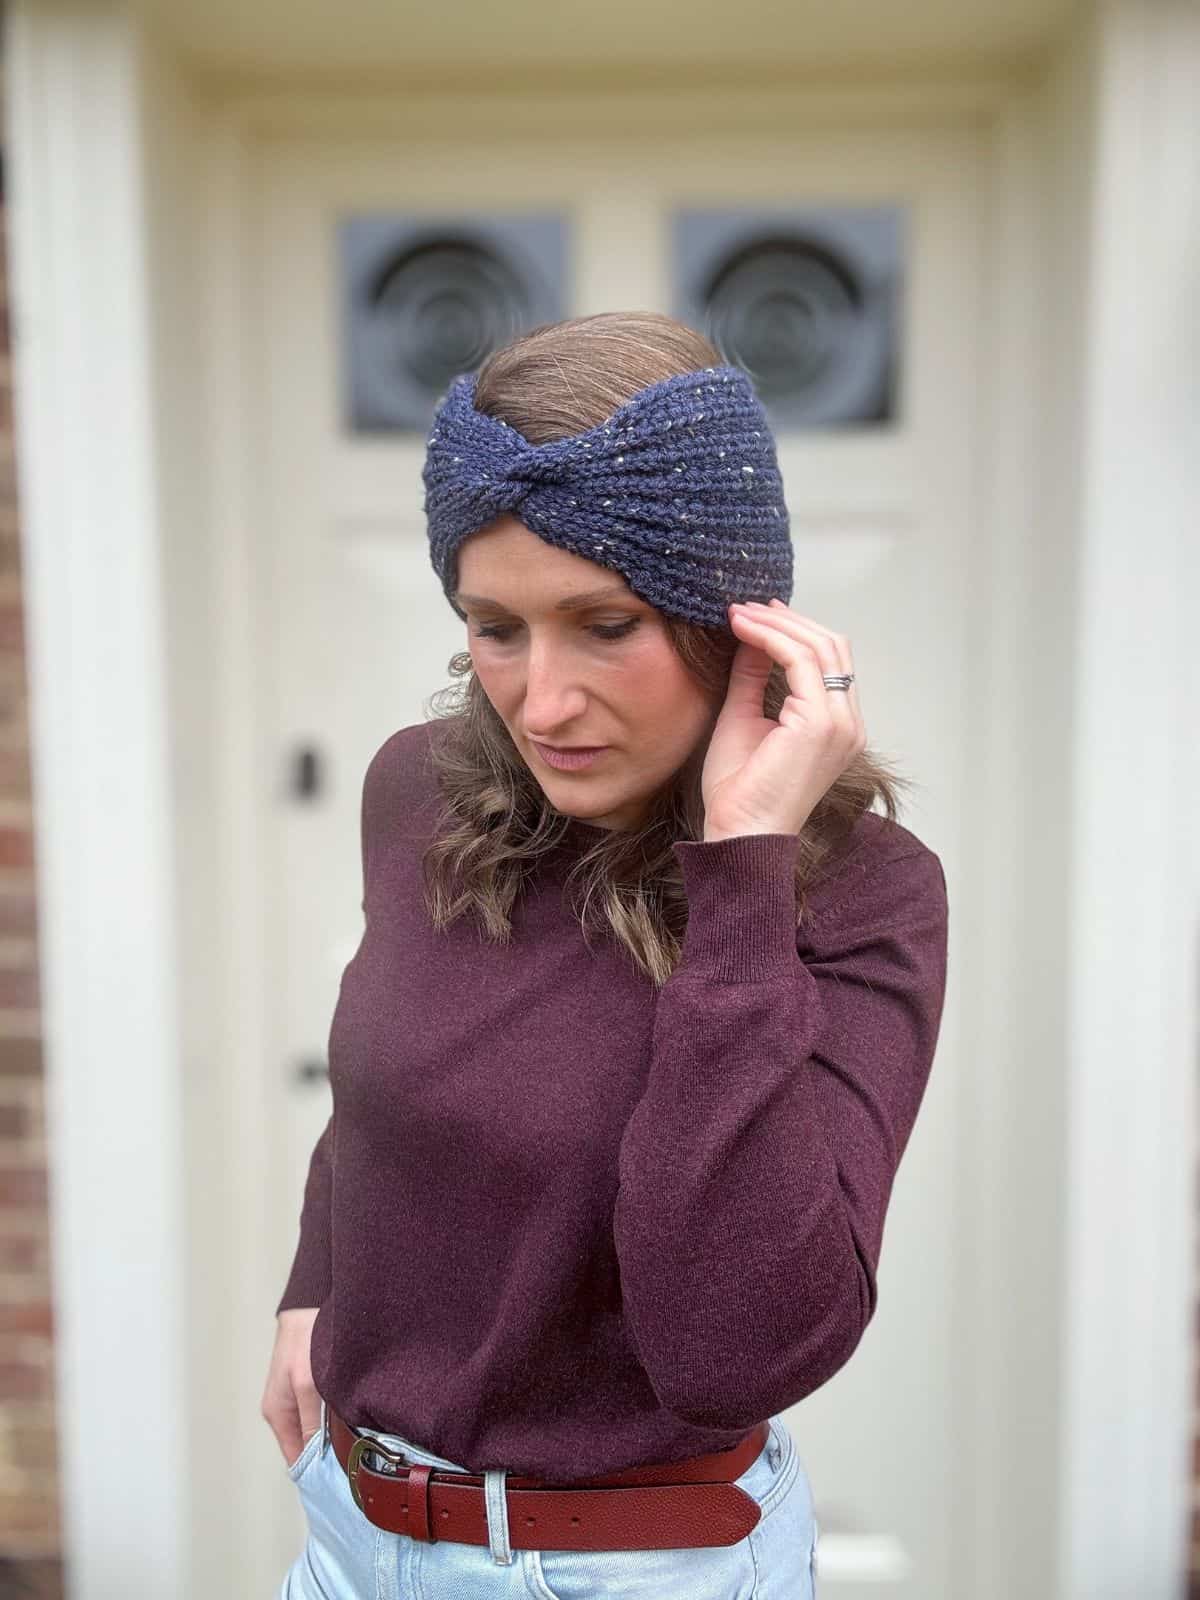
<point x="584" y="829"/>
<point x="578" y="837"/>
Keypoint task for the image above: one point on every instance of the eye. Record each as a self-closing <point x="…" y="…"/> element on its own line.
<point x="618" y="630"/>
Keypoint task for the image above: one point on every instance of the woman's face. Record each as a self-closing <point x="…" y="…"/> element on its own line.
<point x="601" y="673"/>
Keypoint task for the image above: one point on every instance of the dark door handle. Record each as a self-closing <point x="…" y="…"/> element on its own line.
<point x="309" y="1069"/>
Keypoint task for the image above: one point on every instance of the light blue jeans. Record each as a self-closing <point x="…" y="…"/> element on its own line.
<point x="346" y="1557"/>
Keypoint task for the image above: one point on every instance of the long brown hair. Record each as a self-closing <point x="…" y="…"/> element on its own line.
<point x="496" y="822"/>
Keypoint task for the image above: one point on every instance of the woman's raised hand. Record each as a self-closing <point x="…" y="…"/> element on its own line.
<point x="762" y="774"/>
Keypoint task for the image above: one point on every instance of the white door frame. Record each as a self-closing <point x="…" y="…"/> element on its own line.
<point x="87" y="455"/>
<point x="1133" y="851"/>
<point x="90" y="457"/>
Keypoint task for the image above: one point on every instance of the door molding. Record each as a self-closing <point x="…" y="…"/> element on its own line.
<point x="105" y="809"/>
<point x="1132" y="853"/>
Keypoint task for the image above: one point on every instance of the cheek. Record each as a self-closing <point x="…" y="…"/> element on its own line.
<point x="495" y="679"/>
<point x="665" y="697"/>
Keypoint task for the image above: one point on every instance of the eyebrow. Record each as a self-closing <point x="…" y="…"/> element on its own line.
<point x="570" y="602"/>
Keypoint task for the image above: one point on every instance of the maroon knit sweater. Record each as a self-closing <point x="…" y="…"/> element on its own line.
<point x="564" y="1222"/>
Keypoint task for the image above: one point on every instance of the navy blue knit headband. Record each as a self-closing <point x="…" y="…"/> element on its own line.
<point x="679" y="491"/>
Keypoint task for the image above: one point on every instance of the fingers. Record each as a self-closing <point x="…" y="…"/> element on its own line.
<point x="296" y="1430"/>
<point x="293" y="1412"/>
<point x="832" y="649"/>
<point x="838" y="640"/>
<point x="291" y="1403"/>
<point x="772" y="627"/>
<point x="297" y="1442"/>
<point x="281" y="1412"/>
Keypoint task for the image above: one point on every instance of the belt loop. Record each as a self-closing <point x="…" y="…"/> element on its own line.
<point x="496" y="1499"/>
<point x="325" y="1436"/>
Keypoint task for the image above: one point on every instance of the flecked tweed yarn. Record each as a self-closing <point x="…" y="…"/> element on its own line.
<point x="679" y="490"/>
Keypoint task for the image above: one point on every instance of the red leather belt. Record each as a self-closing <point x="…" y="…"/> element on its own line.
<point x="663" y="1506"/>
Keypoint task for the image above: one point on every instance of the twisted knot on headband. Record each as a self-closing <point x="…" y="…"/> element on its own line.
<point x="536" y="465"/>
<point x="679" y="491"/>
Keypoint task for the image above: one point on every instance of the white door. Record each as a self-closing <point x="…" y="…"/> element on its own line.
<point x="355" y="636"/>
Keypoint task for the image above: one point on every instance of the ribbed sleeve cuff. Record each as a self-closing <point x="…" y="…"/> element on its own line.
<point x="741" y="894"/>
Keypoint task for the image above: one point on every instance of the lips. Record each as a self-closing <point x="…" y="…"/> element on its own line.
<point x="570" y="759"/>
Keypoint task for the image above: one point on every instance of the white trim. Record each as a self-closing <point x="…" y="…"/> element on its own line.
<point x="609" y="103"/>
<point x="242" y="976"/>
<point x="1132" y="859"/>
<point x="100" y="750"/>
<point x="999" y="1488"/>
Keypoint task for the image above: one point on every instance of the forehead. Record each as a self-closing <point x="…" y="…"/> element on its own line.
<point x="505" y="561"/>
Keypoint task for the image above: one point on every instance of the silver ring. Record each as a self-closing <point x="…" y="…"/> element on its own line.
<point x="837" y="680"/>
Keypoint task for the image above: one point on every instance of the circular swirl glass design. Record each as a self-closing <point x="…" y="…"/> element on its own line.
<point x="811" y="334"/>
<point x="440" y="308"/>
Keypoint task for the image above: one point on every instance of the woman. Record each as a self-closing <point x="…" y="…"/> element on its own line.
<point x="636" y="1034"/>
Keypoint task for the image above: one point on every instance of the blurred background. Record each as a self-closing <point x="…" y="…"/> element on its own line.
<point x="247" y="246"/>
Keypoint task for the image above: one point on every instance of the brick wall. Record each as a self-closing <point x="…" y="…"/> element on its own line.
<point x="1193" y="1588"/>
<point x="29" y="1527"/>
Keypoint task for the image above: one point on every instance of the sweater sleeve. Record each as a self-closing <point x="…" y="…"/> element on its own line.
<point x="311" y="1276"/>
<point x="756" y="1169"/>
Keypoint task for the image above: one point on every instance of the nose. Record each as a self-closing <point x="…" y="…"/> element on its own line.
<point x="553" y="697"/>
